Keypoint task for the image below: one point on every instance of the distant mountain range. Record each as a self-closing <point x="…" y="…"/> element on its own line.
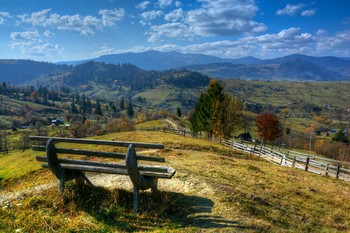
<point x="154" y="60"/>
<point x="293" y="67"/>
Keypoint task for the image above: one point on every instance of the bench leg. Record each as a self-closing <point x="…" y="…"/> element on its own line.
<point x="80" y="178"/>
<point x="136" y="199"/>
<point x="62" y="180"/>
<point x="154" y="188"/>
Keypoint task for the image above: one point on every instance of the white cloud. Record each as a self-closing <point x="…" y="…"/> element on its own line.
<point x="47" y="33"/>
<point x="110" y="17"/>
<point x="285" y="42"/>
<point x="44" y="50"/>
<point x="171" y="30"/>
<point x="175" y="15"/>
<point x="148" y="15"/>
<point x="27" y="35"/>
<point x="212" y="18"/>
<point x="165" y="3"/>
<point x="20" y="45"/>
<point x="144" y="23"/>
<point x="103" y="51"/>
<point x="290" y="9"/>
<point x="85" y="25"/>
<point x="310" y="12"/>
<point x="32" y="43"/>
<point x="143" y="5"/>
<point x="3" y="16"/>
<point x="33" y="49"/>
<point x="337" y="44"/>
<point x="178" y="4"/>
<point x="321" y="32"/>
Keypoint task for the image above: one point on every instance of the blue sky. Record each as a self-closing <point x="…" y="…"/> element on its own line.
<point x="57" y="30"/>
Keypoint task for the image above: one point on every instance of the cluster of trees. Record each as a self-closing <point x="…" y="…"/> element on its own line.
<point x="219" y="115"/>
<point x="131" y="76"/>
<point x="216" y="113"/>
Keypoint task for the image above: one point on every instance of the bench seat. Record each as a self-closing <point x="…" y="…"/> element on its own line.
<point x="111" y="168"/>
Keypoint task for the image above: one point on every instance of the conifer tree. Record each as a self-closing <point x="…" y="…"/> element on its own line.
<point x="217" y="113"/>
<point x="122" y="104"/>
<point x="178" y="112"/>
<point x="130" y="111"/>
<point x="98" y="110"/>
<point x="73" y="108"/>
<point x="340" y="136"/>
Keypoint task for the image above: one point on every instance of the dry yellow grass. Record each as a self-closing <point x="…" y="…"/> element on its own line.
<point x="215" y="189"/>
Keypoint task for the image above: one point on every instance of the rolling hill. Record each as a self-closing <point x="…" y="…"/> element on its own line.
<point x="21" y="71"/>
<point x="293" y="67"/>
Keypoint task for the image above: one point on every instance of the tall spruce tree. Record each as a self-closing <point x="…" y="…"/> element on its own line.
<point x="216" y="113"/>
<point x="202" y="115"/>
<point x="130" y="111"/>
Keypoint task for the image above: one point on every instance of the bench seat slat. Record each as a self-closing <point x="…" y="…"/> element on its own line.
<point x="99" y="142"/>
<point x="100" y="154"/>
<point x="114" y="170"/>
<point x="153" y="168"/>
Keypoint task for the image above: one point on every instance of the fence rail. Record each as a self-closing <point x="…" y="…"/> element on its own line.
<point x="283" y="157"/>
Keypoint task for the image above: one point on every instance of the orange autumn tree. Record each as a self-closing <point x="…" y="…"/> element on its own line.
<point x="269" y="127"/>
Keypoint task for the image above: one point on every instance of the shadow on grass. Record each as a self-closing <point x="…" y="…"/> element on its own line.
<point x="168" y="210"/>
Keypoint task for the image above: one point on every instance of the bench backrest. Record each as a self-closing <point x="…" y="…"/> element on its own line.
<point x="98" y="153"/>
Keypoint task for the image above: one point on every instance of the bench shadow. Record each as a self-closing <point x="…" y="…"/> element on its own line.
<point x="175" y="210"/>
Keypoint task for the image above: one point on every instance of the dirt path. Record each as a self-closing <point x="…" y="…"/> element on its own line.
<point x="8" y="196"/>
<point x="172" y="123"/>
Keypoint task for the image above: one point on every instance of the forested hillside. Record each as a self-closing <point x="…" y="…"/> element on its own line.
<point x="21" y="71"/>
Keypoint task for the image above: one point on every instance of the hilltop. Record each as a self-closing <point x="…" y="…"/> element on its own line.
<point x="215" y="189"/>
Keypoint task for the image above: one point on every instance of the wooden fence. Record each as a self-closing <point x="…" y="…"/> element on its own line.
<point x="279" y="156"/>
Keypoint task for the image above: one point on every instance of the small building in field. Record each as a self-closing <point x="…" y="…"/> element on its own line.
<point x="245" y="137"/>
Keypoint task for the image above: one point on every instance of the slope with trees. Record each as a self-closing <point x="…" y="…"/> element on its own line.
<point x="216" y="113"/>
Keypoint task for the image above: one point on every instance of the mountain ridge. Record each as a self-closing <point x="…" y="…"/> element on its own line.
<point x="295" y="67"/>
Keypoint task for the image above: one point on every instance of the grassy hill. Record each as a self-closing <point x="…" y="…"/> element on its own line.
<point x="215" y="189"/>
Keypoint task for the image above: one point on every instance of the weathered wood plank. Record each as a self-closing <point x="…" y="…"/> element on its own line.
<point x="153" y="168"/>
<point x="100" y="154"/>
<point x="169" y="175"/>
<point x="99" y="142"/>
<point x="114" y="170"/>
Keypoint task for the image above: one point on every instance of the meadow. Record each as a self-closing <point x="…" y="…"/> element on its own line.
<point x="215" y="189"/>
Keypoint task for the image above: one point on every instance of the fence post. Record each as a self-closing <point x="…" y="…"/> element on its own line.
<point x="282" y="157"/>
<point x="294" y="160"/>
<point x="231" y="143"/>
<point x="326" y="170"/>
<point x="338" y="171"/>
<point x="184" y="133"/>
<point x="307" y="163"/>
<point x="255" y="145"/>
<point x="271" y="149"/>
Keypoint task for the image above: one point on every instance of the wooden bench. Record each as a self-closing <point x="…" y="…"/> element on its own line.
<point x="142" y="176"/>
